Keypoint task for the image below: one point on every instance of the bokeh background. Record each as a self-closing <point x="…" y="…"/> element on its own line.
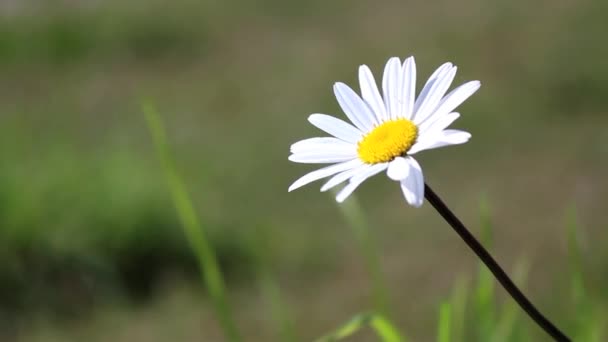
<point x="91" y="247"/>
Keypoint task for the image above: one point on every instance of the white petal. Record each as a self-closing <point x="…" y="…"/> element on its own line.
<point x="371" y="171"/>
<point x="370" y="93"/>
<point x="322" y="157"/>
<point x="447" y="137"/>
<point x="398" y="169"/>
<point x="346" y="191"/>
<point x="359" y="178"/>
<point x="343" y="176"/>
<point x="454" y="136"/>
<point x="427" y="108"/>
<point x="336" y="127"/>
<point x="429" y="84"/>
<point x="324" y="172"/>
<point x="437" y="123"/>
<point x="357" y="111"/>
<point x="324" y="143"/>
<point x="413" y="185"/>
<point x="409" y="87"/>
<point x="456" y="97"/>
<point x="392" y="84"/>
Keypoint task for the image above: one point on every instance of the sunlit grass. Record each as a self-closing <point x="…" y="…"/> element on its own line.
<point x="382" y="327"/>
<point x="481" y="317"/>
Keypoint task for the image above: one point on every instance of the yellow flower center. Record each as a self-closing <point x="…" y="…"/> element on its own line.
<point x="387" y="141"/>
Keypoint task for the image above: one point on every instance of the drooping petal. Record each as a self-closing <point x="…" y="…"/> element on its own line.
<point x="392" y="85"/>
<point x="322" y="143"/>
<point x="435" y="94"/>
<point x="354" y="107"/>
<point x="323" y="157"/>
<point x="371" y="171"/>
<point x="343" y="176"/>
<point x="398" y="169"/>
<point x="370" y="93"/>
<point x="359" y="178"/>
<point x="324" y="172"/>
<point x="336" y="127"/>
<point x="413" y="185"/>
<point x="456" y="97"/>
<point x="409" y="88"/>
<point x="347" y="191"/>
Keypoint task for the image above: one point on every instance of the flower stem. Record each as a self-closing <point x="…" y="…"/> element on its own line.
<point x="493" y="266"/>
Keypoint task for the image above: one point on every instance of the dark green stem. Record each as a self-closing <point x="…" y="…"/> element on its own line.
<point x="493" y="266"/>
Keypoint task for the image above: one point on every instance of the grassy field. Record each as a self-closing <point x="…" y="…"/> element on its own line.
<point x="91" y="247"/>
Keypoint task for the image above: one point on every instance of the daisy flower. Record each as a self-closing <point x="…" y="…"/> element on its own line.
<point x="386" y="130"/>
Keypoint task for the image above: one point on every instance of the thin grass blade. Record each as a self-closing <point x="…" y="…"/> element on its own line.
<point x="484" y="290"/>
<point x="445" y="322"/>
<point x="385" y="330"/>
<point x="356" y="220"/>
<point x="458" y="303"/>
<point x="269" y="286"/>
<point x="205" y="255"/>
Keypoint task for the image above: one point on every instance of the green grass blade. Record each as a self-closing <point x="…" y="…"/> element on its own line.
<point x="574" y="257"/>
<point x="280" y="314"/>
<point x="381" y="326"/>
<point x="507" y="318"/>
<point x="484" y="291"/>
<point x="445" y="322"/>
<point x="269" y="287"/>
<point x="356" y="220"/>
<point x="595" y="332"/>
<point x="210" y="271"/>
<point x="590" y="318"/>
<point x="347" y="329"/>
<point x="385" y="329"/>
<point x="458" y="302"/>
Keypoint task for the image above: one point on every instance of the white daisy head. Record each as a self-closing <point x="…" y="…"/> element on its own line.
<point x="386" y="130"/>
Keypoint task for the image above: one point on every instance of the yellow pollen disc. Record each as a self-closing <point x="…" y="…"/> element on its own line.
<point x="387" y="141"/>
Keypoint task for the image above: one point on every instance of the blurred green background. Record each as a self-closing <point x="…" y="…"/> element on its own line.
<point x="90" y="244"/>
